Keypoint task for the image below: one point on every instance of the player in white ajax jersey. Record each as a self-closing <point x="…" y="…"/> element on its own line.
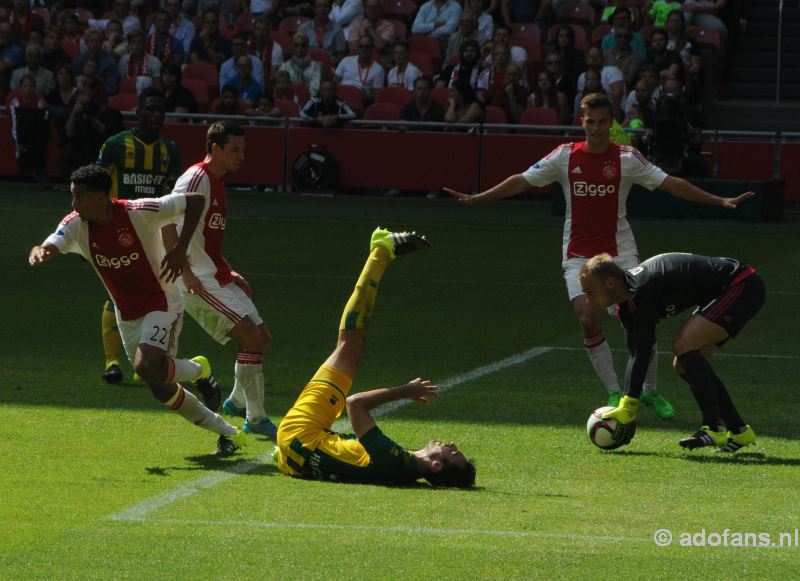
<point x="596" y="176"/>
<point x="217" y="297"/>
<point x="122" y="241"/>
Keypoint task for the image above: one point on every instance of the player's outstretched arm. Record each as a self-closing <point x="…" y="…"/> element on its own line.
<point x="175" y="259"/>
<point x="509" y="187"/>
<point x="680" y="188"/>
<point x="41" y="254"/>
<point x="360" y="404"/>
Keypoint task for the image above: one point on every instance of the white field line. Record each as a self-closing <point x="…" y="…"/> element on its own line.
<point x="402" y="530"/>
<point x="718" y="354"/>
<point x="140" y="510"/>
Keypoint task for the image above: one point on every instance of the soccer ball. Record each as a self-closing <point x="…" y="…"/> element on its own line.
<point x="604" y="434"/>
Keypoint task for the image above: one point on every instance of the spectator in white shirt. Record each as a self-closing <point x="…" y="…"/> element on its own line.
<point x="361" y="71"/>
<point x="345" y="13"/>
<point x="404" y="73"/>
<point x="437" y="18"/>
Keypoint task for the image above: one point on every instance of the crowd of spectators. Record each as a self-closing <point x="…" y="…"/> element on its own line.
<point x="329" y="60"/>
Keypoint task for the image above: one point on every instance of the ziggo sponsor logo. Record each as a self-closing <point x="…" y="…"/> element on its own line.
<point x="587" y="189"/>
<point x="116" y="262"/>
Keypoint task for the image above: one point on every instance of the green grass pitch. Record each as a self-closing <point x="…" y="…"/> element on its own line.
<point x="99" y="481"/>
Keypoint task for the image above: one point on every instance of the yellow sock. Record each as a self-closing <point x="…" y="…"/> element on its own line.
<point x="359" y="307"/>
<point x="112" y="343"/>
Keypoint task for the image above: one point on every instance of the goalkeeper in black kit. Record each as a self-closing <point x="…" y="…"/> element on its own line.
<point x="727" y="294"/>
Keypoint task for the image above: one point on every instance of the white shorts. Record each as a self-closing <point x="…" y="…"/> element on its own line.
<point x="572" y="270"/>
<point x="159" y="329"/>
<point x="218" y="309"/>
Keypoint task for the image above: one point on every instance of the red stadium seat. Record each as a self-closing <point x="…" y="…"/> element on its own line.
<point x="200" y="91"/>
<point x="495" y="115"/>
<point x="43" y="13"/>
<point x="400" y="29"/>
<point x="539" y="116"/>
<point x="302" y="93"/>
<point x="582" y="14"/>
<point x="599" y="32"/>
<point x="123" y="102"/>
<point x="244" y="22"/>
<point x="127" y="86"/>
<point x="580" y="35"/>
<point x="397" y="95"/>
<point x="290" y="24"/>
<point x="426" y="44"/>
<point x="402" y="10"/>
<point x="706" y="37"/>
<point x="529" y="30"/>
<point x="284" y="40"/>
<point x="534" y="49"/>
<point x="202" y="71"/>
<point x="423" y="62"/>
<point x="352" y="96"/>
<point x="383" y="112"/>
<point x="441" y="95"/>
<point x="322" y="56"/>
<point x="288" y="107"/>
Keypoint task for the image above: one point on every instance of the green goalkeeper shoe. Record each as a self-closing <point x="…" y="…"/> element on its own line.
<point x="660" y="405"/>
<point x="613" y="398"/>
<point x="738" y="441"/>
<point x="397" y="242"/>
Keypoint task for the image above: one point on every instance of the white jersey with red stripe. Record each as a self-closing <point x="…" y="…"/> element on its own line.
<point x="205" y="249"/>
<point x="127" y="253"/>
<point x="596" y="188"/>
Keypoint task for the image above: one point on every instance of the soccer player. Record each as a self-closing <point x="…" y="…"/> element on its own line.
<point x="142" y="164"/>
<point x="308" y="448"/>
<point x="216" y="296"/>
<point x="596" y="176"/>
<point x="122" y="240"/>
<point x="727" y="294"/>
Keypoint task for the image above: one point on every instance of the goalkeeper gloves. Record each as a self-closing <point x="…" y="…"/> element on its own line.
<point x="625" y="412"/>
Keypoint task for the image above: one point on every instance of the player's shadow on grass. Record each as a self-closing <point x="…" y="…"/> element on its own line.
<point x="749" y="458"/>
<point x="214" y="463"/>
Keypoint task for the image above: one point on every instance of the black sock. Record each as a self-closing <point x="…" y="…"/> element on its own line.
<point x="727" y="410"/>
<point x="700" y="377"/>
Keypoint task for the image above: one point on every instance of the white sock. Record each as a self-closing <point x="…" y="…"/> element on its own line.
<point x="186" y="405"/>
<point x="182" y="370"/>
<point x="250" y="379"/>
<point x="603" y="362"/>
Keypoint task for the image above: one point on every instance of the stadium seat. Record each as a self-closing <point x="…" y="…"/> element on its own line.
<point x="706" y="37"/>
<point x="200" y="91"/>
<point x="599" y="32"/>
<point x="426" y="44"/>
<point x="284" y="40"/>
<point x="302" y="93"/>
<point x="243" y="23"/>
<point x="529" y="30"/>
<point x="290" y="24"/>
<point x="402" y="10"/>
<point x="400" y="29"/>
<point x="397" y="95"/>
<point x="539" y="116"/>
<point x="383" y="112"/>
<point x="534" y="49"/>
<point x="441" y="95"/>
<point x="580" y="35"/>
<point x="43" y="13"/>
<point x="322" y="56"/>
<point x="123" y="102"/>
<point x="83" y="14"/>
<point x="582" y="14"/>
<point x="495" y="115"/>
<point x="454" y="59"/>
<point x="352" y="96"/>
<point x="127" y="86"/>
<point x="423" y="62"/>
<point x="202" y="71"/>
<point x="288" y="107"/>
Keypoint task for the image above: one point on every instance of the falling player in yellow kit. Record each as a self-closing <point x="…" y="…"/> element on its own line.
<point x="142" y="164"/>
<point x="308" y="448"/>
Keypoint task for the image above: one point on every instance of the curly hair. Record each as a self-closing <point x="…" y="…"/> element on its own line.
<point x="95" y="177"/>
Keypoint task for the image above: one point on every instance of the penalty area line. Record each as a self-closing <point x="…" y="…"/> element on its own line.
<point x="140" y="510"/>
<point x="400" y="530"/>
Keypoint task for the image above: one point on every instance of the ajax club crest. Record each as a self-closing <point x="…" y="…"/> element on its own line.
<point x="125" y="238"/>
<point x="609" y="171"/>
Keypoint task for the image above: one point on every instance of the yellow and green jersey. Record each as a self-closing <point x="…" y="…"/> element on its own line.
<point x="138" y="169"/>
